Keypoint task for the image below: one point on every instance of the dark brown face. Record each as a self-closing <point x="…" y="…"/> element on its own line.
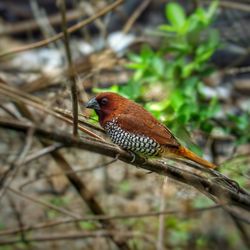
<point x="104" y="105"/>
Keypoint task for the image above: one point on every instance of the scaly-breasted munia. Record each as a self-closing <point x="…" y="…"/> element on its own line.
<point x="133" y="128"/>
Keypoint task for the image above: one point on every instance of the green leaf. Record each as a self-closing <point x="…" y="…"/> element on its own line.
<point x="158" y="65"/>
<point x="188" y="69"/>
<point x="177" y="99"/>
<point x="191" y="87"/>
<point x="124" y="186"/>
<point x="212" y="9"/>
<point x="201" y="15"/>
<point x="2" y="225"/>
<point x="179" y="47"/>
<point x="214" y="38"/>
<point x="138" y="75"/>
<point x="167" y="28"/>
<point x="176" y="15"/>
<point x="86" y="225"/>
<point x="132" y="90"/>
<point x="134" y="58"/>
<point x="207" y="127"/>
<point x="185" y="112"/>
<point x="136" y="66"/>
<point x="113" y="88"/>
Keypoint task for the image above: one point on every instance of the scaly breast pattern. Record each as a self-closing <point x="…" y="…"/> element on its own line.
<point x="139" y="144"/>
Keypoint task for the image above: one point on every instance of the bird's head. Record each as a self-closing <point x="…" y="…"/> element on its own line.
<point x="105" y="105"/>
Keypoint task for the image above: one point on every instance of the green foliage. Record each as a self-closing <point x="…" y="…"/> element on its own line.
<point x="124" y="187"/>
<point x="238" y="169"/>
<point x="59" y="202"/>
<point x="240" y="126"/>
<point x="177" y="69"/>
<point x="179" y="230"/>
<point x="87" y="225"/>
<point x="2" y="225"/>
<point x="189" y="43"/>
<point x="6" y="248"/>
<point x="169" y="81"/>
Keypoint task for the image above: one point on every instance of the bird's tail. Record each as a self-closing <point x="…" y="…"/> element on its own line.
<point x="183" y="152"/>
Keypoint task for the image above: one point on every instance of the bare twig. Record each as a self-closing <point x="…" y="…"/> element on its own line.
<point x="68" y="172"/>
<point x="161" y="231"/>
<point x="82" y="235"/>
<point x="77" y="183"/>
<point x="73" y="84"/>
<point x="12" y="114"/>
<point x="30" y="25"/>
<point x="11" y="173"/>
<point x="47" y="150"/>
<point x="234" y="5"/>
<point x="231" y="5"/>
<point x="105" y="217"/>
<point x="43" y="203"/>
<point x="68" y="114"/>
<point x="222" y="191"/>
<point x="136" y="14"/>
<point x="84" y="193"/>
<point x="60" y="35"/>
<point x="18" y="215"/>
<point x="17" y="95"/>
<point x="32" y="157"/>
<point x="241" y="229"/>
<point x="42" y="20"/>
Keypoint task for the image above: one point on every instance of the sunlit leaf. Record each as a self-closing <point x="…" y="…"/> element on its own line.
<point x="175" y="14"/>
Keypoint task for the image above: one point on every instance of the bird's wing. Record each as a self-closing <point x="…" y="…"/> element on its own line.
<point x="147" y="125"/>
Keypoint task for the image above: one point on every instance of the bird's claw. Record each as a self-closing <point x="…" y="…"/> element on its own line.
<point x="133" y="155"/>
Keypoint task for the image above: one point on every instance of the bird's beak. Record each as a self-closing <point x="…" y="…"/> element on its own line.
<point x="93" y="104"/>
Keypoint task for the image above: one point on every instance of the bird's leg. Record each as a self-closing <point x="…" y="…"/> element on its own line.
<point x="145" y="161"/>
<point x="134" y="156"/>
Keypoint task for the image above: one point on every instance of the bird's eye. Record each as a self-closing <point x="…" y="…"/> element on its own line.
<point x="104" y="101"/>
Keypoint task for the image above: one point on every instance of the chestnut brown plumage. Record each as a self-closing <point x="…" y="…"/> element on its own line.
<point x="133" y="128"/>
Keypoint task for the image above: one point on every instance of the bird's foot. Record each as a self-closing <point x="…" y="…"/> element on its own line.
<point x="116" y="157"/>
<point x="133" y="155"/>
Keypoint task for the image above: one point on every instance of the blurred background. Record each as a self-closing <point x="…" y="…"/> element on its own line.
<point x="187" y="62"/>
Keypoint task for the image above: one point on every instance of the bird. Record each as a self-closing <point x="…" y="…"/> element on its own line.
<point x="136" y="130"/>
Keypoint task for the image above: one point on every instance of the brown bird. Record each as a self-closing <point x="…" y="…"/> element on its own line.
<point x="133" y="128"/>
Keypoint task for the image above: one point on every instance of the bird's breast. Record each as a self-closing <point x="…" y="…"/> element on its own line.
<point x="130" y="140"/>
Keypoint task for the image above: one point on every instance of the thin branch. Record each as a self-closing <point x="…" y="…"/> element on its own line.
<point x="76" y="182"/>
<point x="82" y="235"/>
<point x="60" y="35"/>
<point x="43" y="203"/>
<point x="241" y="229"/>
<point x="9" y="176"/>
<point x="17" y="95"/>
<point x="105" y="217"/>
<point x="225" y="193"/>
<point x="135" y="15"/>
<point x="161" y="229"/>
<point x="18" y="214"/>
<point x="8" y="111"/>
<point x="73" y="84"/>
<point x="30" y="25"/>
<point x="68" y="114"/>
<point x="47" y="150"/>
<point x="87" y="197"/>
<point x="234" y="5"/>
<point x="68" y="172"/>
